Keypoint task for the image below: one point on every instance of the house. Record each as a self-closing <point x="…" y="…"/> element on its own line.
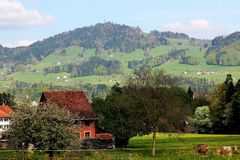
<point x="77" y="103"/>
<point x="5" y="116"/>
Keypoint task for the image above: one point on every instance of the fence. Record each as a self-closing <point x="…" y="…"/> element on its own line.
<point x="45" y="154"/>
<point x="99" y="154"/>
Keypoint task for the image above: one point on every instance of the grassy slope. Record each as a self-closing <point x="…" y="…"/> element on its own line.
<point x="231" y="51"/>
<point x="35" y="72"/>
<point x="219" y="71"/>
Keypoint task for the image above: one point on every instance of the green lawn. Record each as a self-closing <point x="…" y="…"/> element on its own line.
<point x="169" y="147"/>
<point x="180" y="146"/>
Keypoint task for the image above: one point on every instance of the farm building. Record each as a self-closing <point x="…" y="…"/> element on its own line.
<point x="85" y="119"/>
<point x="5" y="116"/>
<point x="5" y="119"/>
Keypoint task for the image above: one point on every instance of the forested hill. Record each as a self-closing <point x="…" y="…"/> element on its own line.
<point x="4" y="50"/>
<point x="102" y="37"/>
<point x="224" y="50"/>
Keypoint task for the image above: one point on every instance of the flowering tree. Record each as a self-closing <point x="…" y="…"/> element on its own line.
<point x="202" y="120"/>
<point x="46" y="127"/>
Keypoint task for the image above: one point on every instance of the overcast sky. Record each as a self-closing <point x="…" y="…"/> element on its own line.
<point x="25" y="21"/>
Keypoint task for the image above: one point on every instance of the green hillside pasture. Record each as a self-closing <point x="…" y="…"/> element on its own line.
<point x="211" y="72"/>
<point x="59" y="79"/>
<point x="36" y="77"/>
<point x="95" y="79"/>
<point x="174" y="41"/>
<point x="35" y="74"/>
<point x="124" y="58"/>
<point x="70" y="56"/>
<point x="139" y="54"/>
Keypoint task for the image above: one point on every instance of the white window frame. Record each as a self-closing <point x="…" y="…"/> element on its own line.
<point x="86" y="132"/>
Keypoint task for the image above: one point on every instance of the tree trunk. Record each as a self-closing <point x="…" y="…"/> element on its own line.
<point x="23" y="154"/>
<point x="154" y="143"/>
<point x="23" y="151"/>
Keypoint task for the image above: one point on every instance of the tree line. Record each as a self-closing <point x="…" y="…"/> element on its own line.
<point x="21" y="92"/>
<point x="225" y="107"/>
<point x="94" y="66"/>
<point x="222" y="114"/>
<point x="157" y="61"/>
<point x="224" y="50"/>
<point x="150" y="102"/>
<point x="191" y="60"/>
<point x="6" y="99"/>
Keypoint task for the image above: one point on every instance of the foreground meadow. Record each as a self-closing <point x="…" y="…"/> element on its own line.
<point x="180" y="146"/>
<point x="169" y="147"/>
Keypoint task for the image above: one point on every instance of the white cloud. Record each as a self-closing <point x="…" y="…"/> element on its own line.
<point x="198" y="28"/>
<point x="19" y="43"/>
<point x="14" y="15"/>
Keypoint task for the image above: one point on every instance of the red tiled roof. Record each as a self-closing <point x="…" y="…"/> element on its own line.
<point x="4" y="114"/>
<point x="74" y="101"/>
<point x="5" y="111"/>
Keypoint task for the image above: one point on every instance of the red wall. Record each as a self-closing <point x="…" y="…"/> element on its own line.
<point x="84" y="129"/>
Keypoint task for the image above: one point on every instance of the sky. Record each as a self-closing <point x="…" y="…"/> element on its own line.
<point x="23" y="22"/>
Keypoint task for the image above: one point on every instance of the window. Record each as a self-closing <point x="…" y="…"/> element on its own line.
<point x="1" y="126"/>
<point x="5" y="127"/>
<point x="5" y="120"/>
<point x="87" y="124"/>
<point x="87" y="134"/>
<point x="1" y="120"/>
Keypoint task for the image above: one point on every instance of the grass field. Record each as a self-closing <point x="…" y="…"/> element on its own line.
<point x="180" y="146"/>
<point x="169" y="147"/>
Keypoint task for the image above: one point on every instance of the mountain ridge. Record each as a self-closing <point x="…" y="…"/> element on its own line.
<point x="102" y="36"/>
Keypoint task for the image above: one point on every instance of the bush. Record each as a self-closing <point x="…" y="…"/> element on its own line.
<point x="201" y="121"/>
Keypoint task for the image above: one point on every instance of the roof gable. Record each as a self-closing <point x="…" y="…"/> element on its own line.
<point x="5" y="111"/>
<point x="4" y="114"/>
<point x="75" y="101"/>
